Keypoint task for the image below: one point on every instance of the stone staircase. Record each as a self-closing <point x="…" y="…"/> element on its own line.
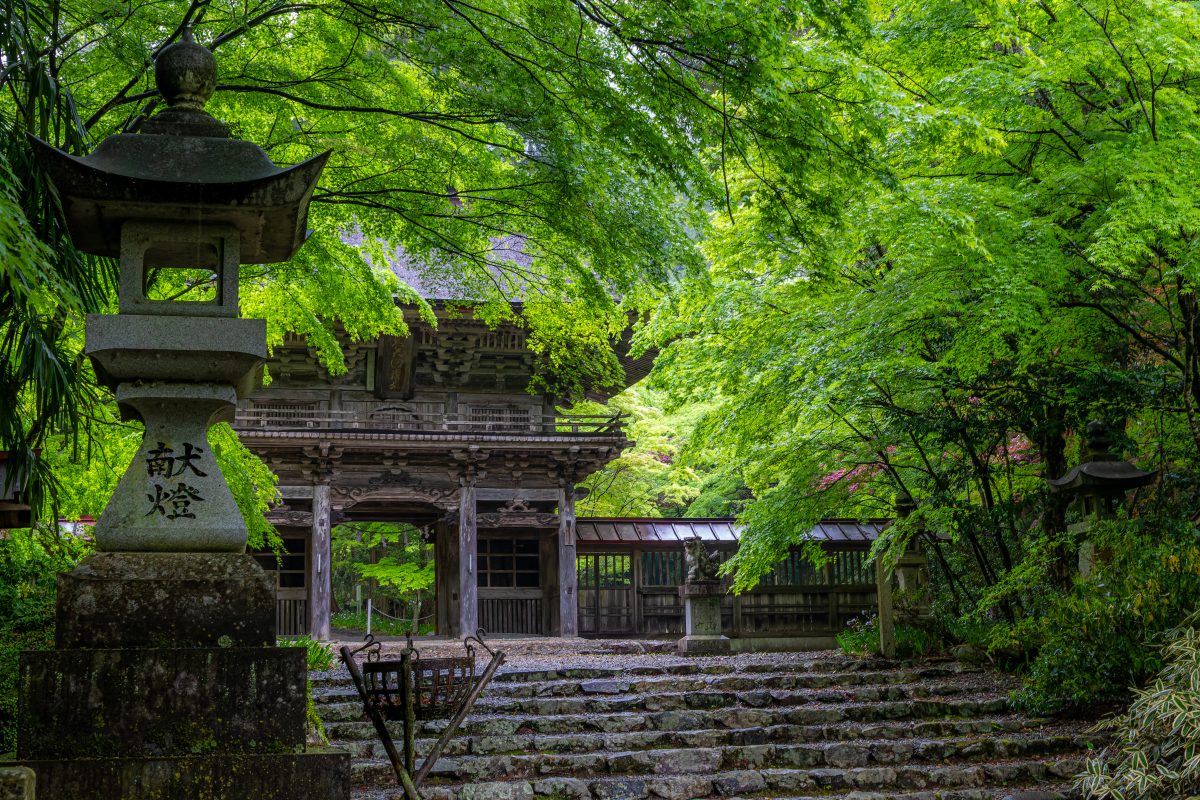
<point x="764" y="726"/>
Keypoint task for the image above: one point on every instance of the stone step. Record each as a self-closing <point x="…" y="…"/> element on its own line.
<point x="677" y="683"/>
<point x="675" y="714"/>
<point x="911" y="781"/>
<point x="711" y="760"/>
<point x="482" y="742"/>
<point x="360" y="737"/>
<point x="339" y="676"/>
<point x="693" y="700"/>
<point x="570" y="789"/>
<point x="770" y="727"/>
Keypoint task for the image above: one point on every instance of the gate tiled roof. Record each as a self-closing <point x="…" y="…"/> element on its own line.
<point x="619" y="529"/>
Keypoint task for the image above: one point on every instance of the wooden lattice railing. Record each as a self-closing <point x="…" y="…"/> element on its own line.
<point x="398" y="421"/>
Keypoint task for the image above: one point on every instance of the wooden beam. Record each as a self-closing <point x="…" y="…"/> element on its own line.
<point x="320" y="579"/>
<point x="568" y="578"/>
<point x="468" y="555"/>
<point x="484" y="495"/>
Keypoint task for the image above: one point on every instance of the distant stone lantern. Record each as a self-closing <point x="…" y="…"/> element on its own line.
<point x="165" y="679"/>
<point x="1098" y="486"/>
<point x="180" y="195"/>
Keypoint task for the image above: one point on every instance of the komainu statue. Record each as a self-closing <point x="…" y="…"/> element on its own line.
<point x="701" y="564"/>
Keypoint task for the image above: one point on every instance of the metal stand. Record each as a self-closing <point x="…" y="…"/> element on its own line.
<point x="413" y="689"/>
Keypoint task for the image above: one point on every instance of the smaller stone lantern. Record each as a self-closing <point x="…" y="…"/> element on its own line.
<point x="903" y="594"/>
<point x="1098" y="486"/>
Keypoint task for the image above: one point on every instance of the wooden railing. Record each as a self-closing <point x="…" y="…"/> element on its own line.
<point x="283" y="419"/>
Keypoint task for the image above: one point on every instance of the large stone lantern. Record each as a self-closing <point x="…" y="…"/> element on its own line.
<point x="165" y="680"/>
<point x="182" y="195"/>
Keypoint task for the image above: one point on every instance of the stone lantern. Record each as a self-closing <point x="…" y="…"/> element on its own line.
<point x="904" y="593"/>
<point x="181" y="195"/>
<point x="165" y="680"/>
<point x="1098" y="486"/>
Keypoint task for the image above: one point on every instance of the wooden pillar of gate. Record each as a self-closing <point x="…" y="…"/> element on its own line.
<point x="320" y="574"/>
<point x="568" y="577"/>
<point x="468" y="557"/>
<point x="445" y="570"/>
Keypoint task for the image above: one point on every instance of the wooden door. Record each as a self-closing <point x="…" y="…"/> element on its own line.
<point x="510" y="591"/>
<point x="289" y="572"/>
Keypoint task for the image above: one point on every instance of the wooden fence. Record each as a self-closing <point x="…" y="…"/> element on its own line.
<point x="633" y="590"/>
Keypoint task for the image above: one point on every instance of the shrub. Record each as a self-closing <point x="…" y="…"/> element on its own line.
<point x="1103" y="636"/>
<point x="1156" y="752"/>
<point x="380" y="625"/>
<point x="861" y="638"/>
<point x="320" y="655"/>
<point x="30" y="561"/>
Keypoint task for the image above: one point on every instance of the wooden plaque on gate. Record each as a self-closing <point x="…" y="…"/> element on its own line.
<point x="394" y="368"/>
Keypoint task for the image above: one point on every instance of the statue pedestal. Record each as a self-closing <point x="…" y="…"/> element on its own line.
<point x="702" y="619"/>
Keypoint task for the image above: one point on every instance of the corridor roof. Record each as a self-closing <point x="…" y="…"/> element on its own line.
<point x="617" y="529"/>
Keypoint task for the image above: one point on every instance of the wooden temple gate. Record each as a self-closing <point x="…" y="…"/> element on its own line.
<point x="437" y="430"/>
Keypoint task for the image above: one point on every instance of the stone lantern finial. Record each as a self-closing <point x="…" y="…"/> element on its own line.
<point x="186" y="75"/>
<point x="1097" y="442"/>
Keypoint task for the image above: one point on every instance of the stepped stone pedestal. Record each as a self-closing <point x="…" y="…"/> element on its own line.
<point x="179" y="692"/>
<point x="702" y="619"/>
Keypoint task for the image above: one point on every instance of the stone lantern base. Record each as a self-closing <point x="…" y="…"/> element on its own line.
<point x="166" y="683"/>
<point x="702" y="619"/>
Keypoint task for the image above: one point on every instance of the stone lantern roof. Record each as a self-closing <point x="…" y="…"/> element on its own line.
<point x="183" y="167"/>
<point x="1101" y="472"/>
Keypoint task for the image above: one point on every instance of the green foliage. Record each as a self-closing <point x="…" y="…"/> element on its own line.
<point x="999" y="247"/>
<point x="861" y="638"/>
<point x="474" y="137"/>
<point x="320" y="654"/>
<point x="393" y="566"/>
<point x="316" y="728"/>
<point x="30" y="561"/>
<point x="380" y="625"/>
<point x="400" y="577"/>
<point x="649" y="479"/>
<point x="1153" y="756"/>
<point x="1102" y="637"/>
